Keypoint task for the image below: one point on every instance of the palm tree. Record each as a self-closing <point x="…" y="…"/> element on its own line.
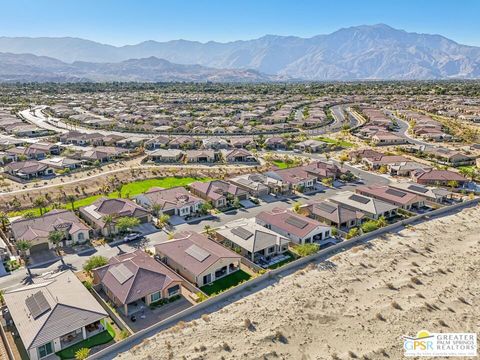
<point x="382" y="222"/>
<point x="40" y="203"/>
<point x="71" y="199"/>
<point x="156" y="208"/>
<point x="207" y="229"/>
<point x="3" y="220"/>
<point x="23" y="246"/>
<point x="163" y="220"/>
<point x="56" y="238"/>
<point x="296" y="207"/>
<point x="108" y="220"/>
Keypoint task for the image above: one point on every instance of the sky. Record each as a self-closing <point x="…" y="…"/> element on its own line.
<point x="121" y="22"/>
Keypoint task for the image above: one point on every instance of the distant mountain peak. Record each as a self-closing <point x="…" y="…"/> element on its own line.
<point x="376" y="51"/>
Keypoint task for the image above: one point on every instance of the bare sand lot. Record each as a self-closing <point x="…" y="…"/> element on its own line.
<point x="357" y="306"/>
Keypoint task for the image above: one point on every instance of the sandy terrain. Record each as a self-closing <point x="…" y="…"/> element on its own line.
<point x="357" y="306"/>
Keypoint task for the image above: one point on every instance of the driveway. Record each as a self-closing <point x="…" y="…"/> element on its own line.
<point x="247" y="204"/>
<point x="146" y="229"/>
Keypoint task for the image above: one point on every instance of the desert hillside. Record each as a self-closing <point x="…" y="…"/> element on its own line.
<point x="356" y="306"/>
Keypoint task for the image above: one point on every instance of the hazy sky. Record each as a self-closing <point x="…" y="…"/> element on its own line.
<point x="121" y="22"/>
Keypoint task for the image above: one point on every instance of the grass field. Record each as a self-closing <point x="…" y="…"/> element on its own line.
<point x="128" y="190"/>
<point x="225" y="283"/>
<point x="342" y="143"/>
<point x="284" y="165"/>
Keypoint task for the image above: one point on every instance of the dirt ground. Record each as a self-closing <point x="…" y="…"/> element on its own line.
<point x="357" y="306"/>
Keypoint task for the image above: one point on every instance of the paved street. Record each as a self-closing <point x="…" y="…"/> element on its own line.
<point x="403" y="130"/>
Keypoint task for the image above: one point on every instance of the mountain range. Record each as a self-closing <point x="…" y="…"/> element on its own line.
<point x="366" y="52"/>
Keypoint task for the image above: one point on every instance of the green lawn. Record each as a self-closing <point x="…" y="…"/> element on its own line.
<point x="283" y="262"/>
<point x="131" y="189"/>
<point x="341" y="143"/>
<point x="283" y="165"/>
<point x="99" y="339"/>
<point x="225" y="283"/>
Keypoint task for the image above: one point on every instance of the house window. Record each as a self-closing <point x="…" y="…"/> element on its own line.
<point x="271" y="249"/>
<point x="174" y="290"/>
<point x="81" y="237"/>
<point x="155" y="296"/>
<point x="45" y="350"/>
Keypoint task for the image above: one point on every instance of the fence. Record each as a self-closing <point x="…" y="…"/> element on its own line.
<point x="115" y="317"/>
<point x="113" y="350"/>
<point x="6" y="344"/>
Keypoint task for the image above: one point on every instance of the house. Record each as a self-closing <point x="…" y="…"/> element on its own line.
<point x="404" y="168"/>
<point x="436" y="195"/>
<point x="28" y="169"/>
<point x="159" y="142"/>
<point x="387" y="138"/>
<point x="103" y="154"/>
<point x="311" y="145"/>
<point x="61" y="163"/>
<point x="437" y="177"/>
<point x="238" y="156"/>
<point x="219" y="192"/>
<point x="359" y="155"/>
<point x="174" y="201"/>
<point x="35" y="151"/>
<point x="333" y="214"/>
<point x="200" y="156"/>
<point x="166" y="156"/>
<point x="54" y="313"/>
<point x="103" y="213"/>
<point x="182" y="142"/>
<point x="242" y="142"/>
<point x="37" y="230"/>
<point x="323" y="170"/>
<point x="82" y="139"/>
<point x="299" y="229"/>
<point x="251" y="240"/>
<point x="197" y="258"/>
<point x="252" y="183"/>
<point x="376" y="163"/>
<point x="297" y="178"/>
<point x="372" y="208"/>
<point x="135" y="279"/>
<point x="399" y="198"/>
<point x="276" y="143"/>
<point x="215" y="143"/>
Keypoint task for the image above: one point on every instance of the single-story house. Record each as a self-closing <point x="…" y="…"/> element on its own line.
<point x="437" y="177"/>
<point x="197" y="258"/>
<point x="400" y="198"/>
<point x="251" y="240"/>
<point x="96" y="214"/>
<point x="29" y="169"/>
<point x="433" y="194"/>
<point x="333" y="214"/>
<point x="201" y="156"/>
<point x="37" y="230"/>
<point x="166" y="156"/>
<point x="299" y="229"/>
<point x="136" y="277"/>
<point x="173" y="201"/>
<point x="311" y="145"/>
<point x="54" y="313"/>
<point x="372" y="208"/>
<point x="219" y="192"/>
<point x="239" y="156"/>
<point x="251" y="183"/>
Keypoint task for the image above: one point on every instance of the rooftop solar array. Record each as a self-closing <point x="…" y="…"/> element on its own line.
<point x="197" y="252"/>
<point x="37" y="304"/>
<point x="328" y="208"/>
<point x="298" y="223"/>
<point x="360" y="199"/>
<point x="417" y="188"/>
<point x="242" y="233"/>
<point x="396" y="193"/>
<point x="121" y="273"/>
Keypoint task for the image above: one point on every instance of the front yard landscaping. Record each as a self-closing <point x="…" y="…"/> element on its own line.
<point x="225" y="283"/>
<point x="102" y="338"/>
<point x="341" y="143"/>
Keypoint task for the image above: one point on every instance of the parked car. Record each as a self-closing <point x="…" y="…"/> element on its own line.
<point x="133" y="237"/>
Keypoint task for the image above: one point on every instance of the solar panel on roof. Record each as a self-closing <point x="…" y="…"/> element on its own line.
<point x="360" y="199"/>
<point x="197" y="252"/>
<point x="242" y="233"/>
<point x="295" y="221"/>
<point x="37" y="304"/>
<point x="326" y="207"/>
<point x="418" y="189"/>
<point x="121" y="273"/>
<point x="394" y="192"/>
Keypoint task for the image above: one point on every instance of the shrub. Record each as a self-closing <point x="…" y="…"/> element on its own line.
<point x="82" y="354"/>
<point x="353" y="232"/>
<point x="369" y="226"/>
<point x="306" y="249"/>
<point x="95" y="262"/>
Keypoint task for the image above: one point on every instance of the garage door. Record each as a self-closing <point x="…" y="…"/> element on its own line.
<point x="39" y="247"/>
